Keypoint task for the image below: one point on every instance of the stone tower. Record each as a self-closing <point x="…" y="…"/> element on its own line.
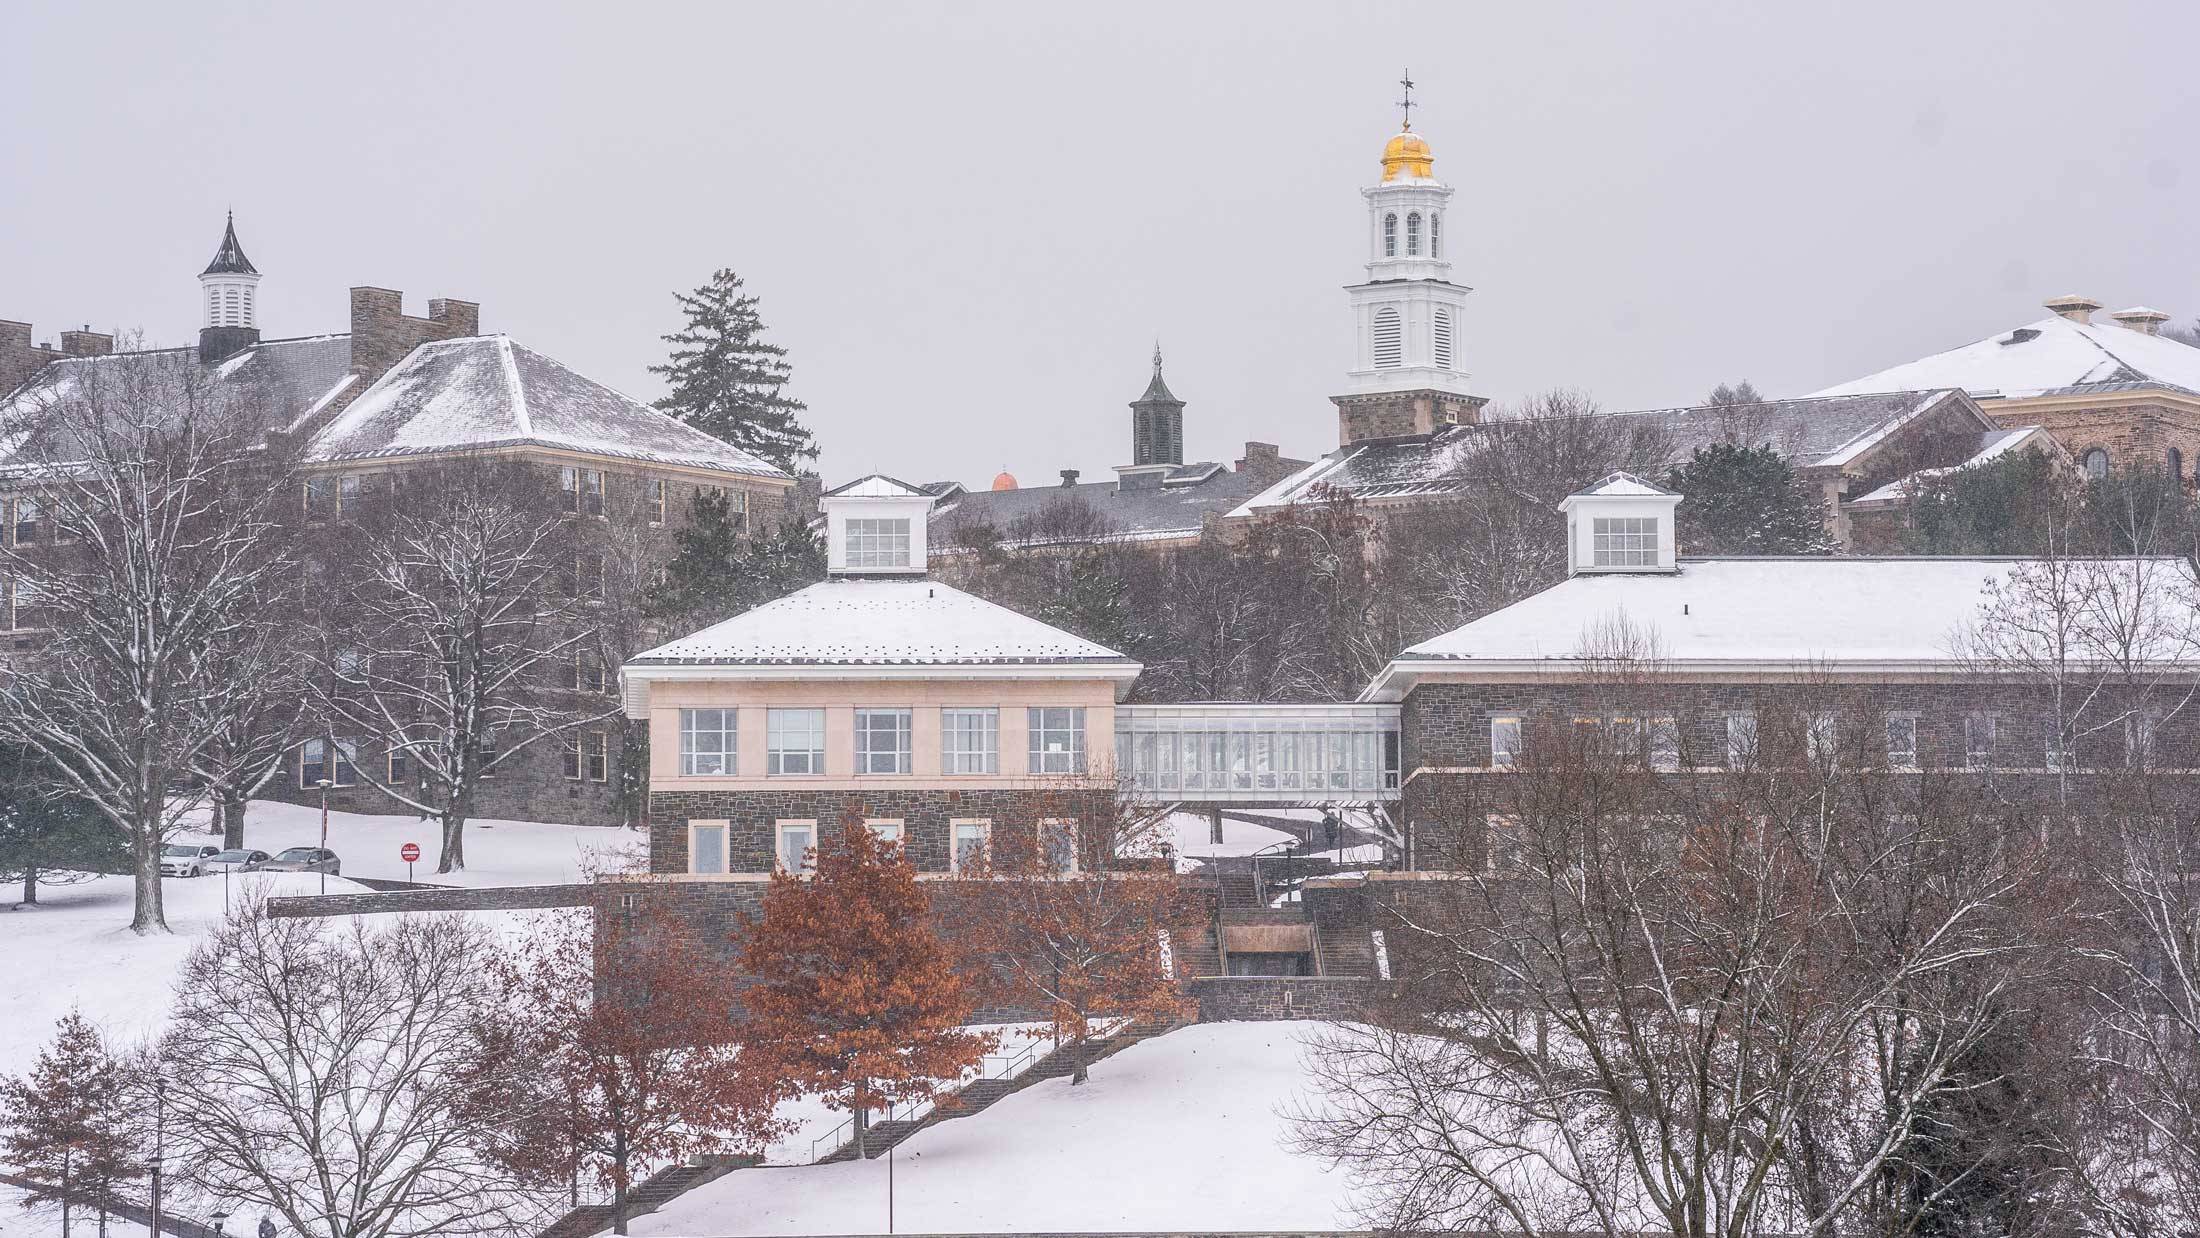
<point x="1408" y="373"/>
<point x="1157" y="422"/>
<point x="227" y="288"/>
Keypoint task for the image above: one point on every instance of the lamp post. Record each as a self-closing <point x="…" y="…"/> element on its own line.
<point x="218" y="1218"/>
<point x="324" y="784"/>
<point x="160" y="1127"/>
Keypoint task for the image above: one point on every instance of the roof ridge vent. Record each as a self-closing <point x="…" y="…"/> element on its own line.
<point x="2020" y="335"/>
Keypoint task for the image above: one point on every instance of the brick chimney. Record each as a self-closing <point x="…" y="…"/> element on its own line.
<point x="2141" y="319"/>
<point x="19" y="358"/>
<point x="2076" y="309"/>
<point x="382" y="334"/>
<point x="86" y="343"/>
<point x="1069" y="477"/>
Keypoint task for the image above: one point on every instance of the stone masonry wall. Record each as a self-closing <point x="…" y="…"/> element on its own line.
<point x="924" y="814"/>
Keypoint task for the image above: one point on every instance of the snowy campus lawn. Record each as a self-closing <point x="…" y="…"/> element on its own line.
<point x="498" y="853"/>
<point x="1179" y="1133"/>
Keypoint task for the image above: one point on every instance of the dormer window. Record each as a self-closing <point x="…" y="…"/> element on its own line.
<point x="877" y="543"/>
<point x="1625" y="541"/>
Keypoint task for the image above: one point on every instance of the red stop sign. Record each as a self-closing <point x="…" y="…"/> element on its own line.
<point x="409" y="852"/>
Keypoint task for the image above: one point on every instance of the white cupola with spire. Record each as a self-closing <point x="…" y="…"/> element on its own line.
<point x="1621" y="524"/>
<point x="875" y="526"/>
<point x="228" y="284"/>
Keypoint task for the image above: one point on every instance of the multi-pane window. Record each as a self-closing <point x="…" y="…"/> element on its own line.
<point x="1058" y="740"/>
<point x="486" y="754"/>
<point x="970" y="741"/>
<point x="657" y="500"/>
<point x="586" y="672"/>
<point x="1504" y="743"/>
<point x="347" y="496"/>
<point x="26" y="521"/>
<point x="583" y="490"/>
<point x="1624" y="541"/>
<point x="1978" y="741"/>
<point x="1822" y="738"/>
<point x="707" y="742"/>
<point x="1390" y="236"/>
<point x="333" y="760"/>
<point x="1902" y="741"/>
<point x="320" y="498"/>
<point x="2139" y="731"/>
<point x="2057" y="746"/>
<point x="882" y="741"/>
<point x="23" y="599"/>
<point x="796" y="846"/>
<point x="1058" y="846"/>
<point x="706" y="846"/>
<point x="1436" y="234"/>
<point x="312" y="763"/>
<point x="1741" y="740"/>
<point x="398" y="767"/>
<point x="877" y="543"/>
<point x="967" y="845"/>
<point x="1665" y="744"/>
<point x="885" y="829"/>
<point x="794" y="741"/>
<point x="1501" y="843"/>
<point x="588" y="756"/>
<point x="737" y="511"/>
<point x="1413" y="234"/>
<point x="586" y="580"/>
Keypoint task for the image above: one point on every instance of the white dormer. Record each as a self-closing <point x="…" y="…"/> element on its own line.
<point x="874" y="526"/>
<point x="1620" y="524"/>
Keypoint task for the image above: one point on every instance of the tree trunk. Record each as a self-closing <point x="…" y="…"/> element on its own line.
<point x="1077" y="1056"/>
<point x="862" y="1119"/>
<point x="618" y="1182"/>
<point x="30" y="885"/>
<point x="229" y="811"/>
<point x="65" y="1184"/>
<point x="146" y="915"/>
<point x="454" y="843"/>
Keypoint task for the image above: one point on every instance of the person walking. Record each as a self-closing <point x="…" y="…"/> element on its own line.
<point x="267" y="1227"/>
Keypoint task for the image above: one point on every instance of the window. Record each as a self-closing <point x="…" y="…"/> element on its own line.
<point x="1823" y="736"/>
<point x="737" y="510"/>
<point x="312" y="763"/>
<point x="320" y="498"/>
<point x="882" y="741"/>
<point x="397" y="767"/>
<point x="588" y="755"/>
<point x="586" y="582"/>
<point x="2095" y="462"/>
<point x="1624" y="541"/>
<point x="1504" y="743"/>
<point x="26" y="525"/>
<point x="796" y="845"/>
<point x="589" y="672"/>
<point x="583" y="490"/>
<point x="1390" y="236"/>
<point x="657" y="500"/>
<point x="970" y="741"/>
<point x="1741" y="740"/>
<point x="1058" y="740"/>
<point x="970" y="840"/>
<point x="1902" y="741"/>
<point x="885" y="829"/>
<point x="877" y="543"/>
<point x="1413" y="234"/>
<point x="1058" y="846"/>
<point x="485" y="755"/>
<point x="707" y="846"/>
<point x="2056" y="746"/>
<point x="1436" y="234"/>
<point x="2176" y="463"/>
<point x="1501" y="844"/>
<point x="347" y="496"/>
<point x="335" y="760"/>
<point x="1978" y="741"/>
<point x="2139" y="729"/>
<point x="23" y="600"/>
<point x="707" y="742"/>
<point x="794" y="741"/>
<point x="1389" y="340"/>
<point x="1665" y="744"/>
<point x="1440" y="338"/>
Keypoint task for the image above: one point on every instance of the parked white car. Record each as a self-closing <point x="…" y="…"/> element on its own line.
<point x="239" y="860"/>
<point x="185" y="859"/>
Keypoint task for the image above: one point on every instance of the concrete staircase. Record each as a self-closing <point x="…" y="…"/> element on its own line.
<point x="653" y="1193"/>
<point x="1345" y="953"/>
<point x="1240" y="892"/>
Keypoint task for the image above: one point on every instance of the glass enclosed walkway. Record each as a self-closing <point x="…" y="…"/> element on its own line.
<point x="1259" y="754"/>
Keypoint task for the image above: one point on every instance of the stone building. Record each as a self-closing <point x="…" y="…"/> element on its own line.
<point x="396" y="393"/>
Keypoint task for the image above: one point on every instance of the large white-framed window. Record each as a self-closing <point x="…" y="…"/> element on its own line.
<point x="1389" y="339"/>
<point x="1505" y="735"/>
<point x="1902" y="741"/>
<point x="1665" y="744"/>
<point x="876" y="542"/>
<point x="707" y="846"/>
<point x="1624" y="541"/>
<point x="1058" y="846"/>
<point x="794" y="846"/>
<point x="969" y="839"/>
<point x="1741" y="739"/>
<point x="588" y="756"/>
<point x="882" y="741"/>
<point x="970" y="741"/>
<point x="886" y="829"/>
<point x="709" y="742"/>
<point x="1978" y="741"/>
<point x="794" y="741"/>
<point x="1057" y="739"/>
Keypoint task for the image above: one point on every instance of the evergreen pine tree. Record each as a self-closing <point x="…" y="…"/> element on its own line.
<point x="719" y="570"/>
<point x="1745" y="501"/>
<point x="66" y="1124"/>
<point x="726" y="381"/>
<point x="49" y="838"/>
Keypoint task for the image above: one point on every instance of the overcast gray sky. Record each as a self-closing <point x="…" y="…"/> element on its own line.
<point x="968" y="223"/>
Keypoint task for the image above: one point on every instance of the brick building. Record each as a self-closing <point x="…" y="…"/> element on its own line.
<point x="392" y="394"/>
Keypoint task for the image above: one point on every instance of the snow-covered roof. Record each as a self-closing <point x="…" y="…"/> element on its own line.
<point x="2052" y="354"/>
<point x="877" y="486"/>
<point x="1625" y="485"/>
<point x="875" y="627"/>
<point x="1743" y="614"/>
<point x="1992" y="446"/>
<point x="1099" y="510"/>
<point x="484" y="391"/>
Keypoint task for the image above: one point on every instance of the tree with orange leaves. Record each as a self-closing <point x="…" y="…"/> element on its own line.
<point x="1072" y="928"/>
<point x="617" y="1049"/>
<point x="853" y="995"/>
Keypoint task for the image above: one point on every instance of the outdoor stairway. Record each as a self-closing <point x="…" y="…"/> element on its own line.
<point x="1345" y="952"/>
<point x="653" y="1193"/>
<point x="1240" y="891"/>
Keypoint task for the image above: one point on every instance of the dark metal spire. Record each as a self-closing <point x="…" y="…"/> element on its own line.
<point x="230" y="259"/>
<point x="1407" y="102"/>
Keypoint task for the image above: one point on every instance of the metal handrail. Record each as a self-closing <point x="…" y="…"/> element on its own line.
<point x="1012" y="1064"/>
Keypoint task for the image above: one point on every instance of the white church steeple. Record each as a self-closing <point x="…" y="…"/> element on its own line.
<point x="1408" y="372"/>
<point x="228" y="283"/>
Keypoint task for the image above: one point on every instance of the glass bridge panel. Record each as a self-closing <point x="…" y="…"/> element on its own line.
<point x="1260" y="752"/>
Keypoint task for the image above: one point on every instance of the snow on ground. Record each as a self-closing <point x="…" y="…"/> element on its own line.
<point x="1193" y="832"/>
<point x="1183" y="1132"/>
<point x="44" y="1220"/>
<point x="498" y="853"/>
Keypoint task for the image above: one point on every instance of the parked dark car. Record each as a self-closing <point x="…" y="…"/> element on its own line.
<point x="305" y="860"/>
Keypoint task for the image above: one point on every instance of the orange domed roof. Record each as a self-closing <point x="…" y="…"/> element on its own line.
<point x="1406" y="154"/>
<point x="1004" y="481"/>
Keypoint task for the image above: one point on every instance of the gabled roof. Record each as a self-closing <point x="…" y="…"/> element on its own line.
<point x="2049" y="356"/>
<point x="884" y="628"/>
<point x="1993" y="445"/>
<point x="1098" y="510"/>
<point x="229" y="258"/>
<point x="877" y="486"/>
<point x="484" y="391"/>
<point x="1742" y="615"/>
<point x="1623" y="484"/>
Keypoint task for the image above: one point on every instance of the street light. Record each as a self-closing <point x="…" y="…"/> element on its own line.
<point x="324" y="784"/>
<point x="218" y="1218"/>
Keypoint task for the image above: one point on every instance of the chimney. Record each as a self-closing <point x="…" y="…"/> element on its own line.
<point x="19" y="358"/>
<point x="2141" y="319"/>
<point x="2076" y="309"/>
<point x="1069" y="477"/>
<point x="1260" y="457"/>
<point x="382" y="334"/>
<point x="86" y="343"/>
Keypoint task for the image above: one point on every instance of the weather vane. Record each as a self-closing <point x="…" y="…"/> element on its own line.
<point x="1407" y="102"/>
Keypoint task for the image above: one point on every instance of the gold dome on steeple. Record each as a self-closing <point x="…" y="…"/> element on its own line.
<point x="1406" y="154"/>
